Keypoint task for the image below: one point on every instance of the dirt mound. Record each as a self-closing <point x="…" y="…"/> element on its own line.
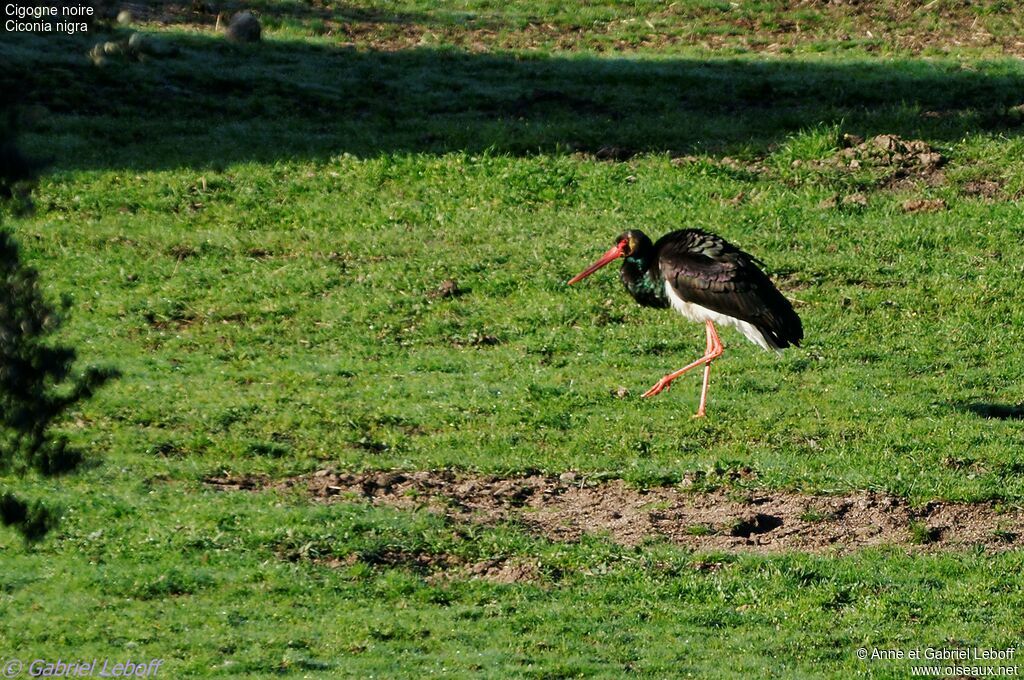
<point x="924" y="205"/>
<point x="902" y="159"/>
<point x="897" y="163"/>
<point x="500" y="571"/>
<point x="982" y="188"/>
<point x="566" y="507"/>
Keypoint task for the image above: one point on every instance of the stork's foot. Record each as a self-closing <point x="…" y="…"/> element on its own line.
<point x="699" y="414"/>
<point x="711" y="352"/>
<point x="658" y="388"/>
<point x="664" y="383"/>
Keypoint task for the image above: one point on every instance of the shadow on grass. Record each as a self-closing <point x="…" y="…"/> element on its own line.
<point x="996" y="411"/>
<point x="212" y="104"/>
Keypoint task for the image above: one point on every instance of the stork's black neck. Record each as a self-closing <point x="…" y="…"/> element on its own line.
<point x="640" y="272"/>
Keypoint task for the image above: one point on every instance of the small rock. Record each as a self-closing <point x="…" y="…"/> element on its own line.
<point x="449" y="288"/>
<point x="930" y="159"/>
<point x="614" y="153"/>
<point x="620" y="392"/>
<point x="124" y="17"/>
<point x="160" y="48"/>
<point x="852" y="140"/>
<point x="96" y="54"/>
<point x="885" y="142"/>
<point x="244" y="28"/>
<point x="477" y="339"/>
<point x="137" y="42"/>
<point x="684" y="160"/>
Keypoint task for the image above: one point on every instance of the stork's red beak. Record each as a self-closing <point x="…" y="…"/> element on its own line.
<point x="616" y="251"/>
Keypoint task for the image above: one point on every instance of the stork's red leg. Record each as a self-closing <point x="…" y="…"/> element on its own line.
<point x="707" y="374"/>
<point x="713" y="351"/>
<point x="714" y="347"/>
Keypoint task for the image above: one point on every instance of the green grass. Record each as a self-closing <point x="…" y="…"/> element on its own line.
<point x="264" y="285"/>
<point x="282" y="319"/>
<point x="922" y="534"/>
<point x="227" y="587"/>
<point x="888" y="27"/>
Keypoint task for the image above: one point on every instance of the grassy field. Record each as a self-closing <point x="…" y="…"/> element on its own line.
<point x="260" y="237"/>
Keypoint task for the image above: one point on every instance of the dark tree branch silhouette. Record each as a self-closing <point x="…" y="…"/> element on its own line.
<point x="37" y="384"/>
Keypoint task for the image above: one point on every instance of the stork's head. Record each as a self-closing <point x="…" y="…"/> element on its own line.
<point x="632" y="243"/>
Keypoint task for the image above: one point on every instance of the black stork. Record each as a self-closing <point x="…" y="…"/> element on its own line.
<point x="706" y="279"/>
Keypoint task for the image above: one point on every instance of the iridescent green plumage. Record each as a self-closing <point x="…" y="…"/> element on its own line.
<point x="643" y="281"/>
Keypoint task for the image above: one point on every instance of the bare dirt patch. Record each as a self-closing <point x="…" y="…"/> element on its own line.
<point x="983" y="188"/>
<point x="914" y="205"/>
<point x="565" y="508"/>
<point x="498" y="570"/>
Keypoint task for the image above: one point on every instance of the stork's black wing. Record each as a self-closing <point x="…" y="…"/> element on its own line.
<point x="709" y="271"/>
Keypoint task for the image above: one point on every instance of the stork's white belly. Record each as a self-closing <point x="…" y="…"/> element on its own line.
<point x="695" y="312"/>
